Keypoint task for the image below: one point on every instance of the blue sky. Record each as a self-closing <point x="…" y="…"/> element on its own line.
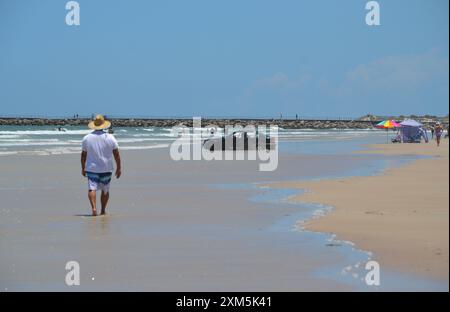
<point x="314" y="58"/>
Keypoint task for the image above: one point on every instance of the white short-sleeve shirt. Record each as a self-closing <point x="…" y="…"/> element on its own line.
<point x="99" y="146"/>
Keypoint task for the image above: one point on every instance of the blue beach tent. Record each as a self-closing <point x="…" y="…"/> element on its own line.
<point x="412" y="131"/>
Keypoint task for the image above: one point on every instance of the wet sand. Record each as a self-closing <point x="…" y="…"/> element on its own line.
<point x="167" y="228"/>
<point x="171" y="226"/>
<point x="401" y="215"/>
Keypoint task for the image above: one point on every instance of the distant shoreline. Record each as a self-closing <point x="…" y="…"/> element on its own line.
<point x="170" y="122"/>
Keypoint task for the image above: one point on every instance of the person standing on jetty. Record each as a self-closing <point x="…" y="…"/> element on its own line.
<point x="98" y="149"/>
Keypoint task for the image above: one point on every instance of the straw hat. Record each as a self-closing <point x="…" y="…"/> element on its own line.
<point x="99" y="123"/>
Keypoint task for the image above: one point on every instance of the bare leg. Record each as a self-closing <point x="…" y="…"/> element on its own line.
<point x="104" y="200"/>
<point x="92" y="199"/>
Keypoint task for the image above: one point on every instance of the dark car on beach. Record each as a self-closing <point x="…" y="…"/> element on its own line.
<point x="240" y="140"/>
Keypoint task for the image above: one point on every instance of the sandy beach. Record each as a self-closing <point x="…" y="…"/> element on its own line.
<point x="171" y="226"/>
<point x="402" y="215"/>
<point x="214" y="226"/>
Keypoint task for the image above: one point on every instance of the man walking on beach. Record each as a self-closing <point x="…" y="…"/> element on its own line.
<point x="98" y="149"/>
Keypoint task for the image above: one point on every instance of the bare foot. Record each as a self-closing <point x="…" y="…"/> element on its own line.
<point x="94" y="213"/>
<point x="103" y="213"/>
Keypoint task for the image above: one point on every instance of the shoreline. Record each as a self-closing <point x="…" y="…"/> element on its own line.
<point x="407" y="230"/>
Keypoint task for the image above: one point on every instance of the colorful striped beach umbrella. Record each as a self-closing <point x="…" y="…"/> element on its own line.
<point x="387" y="124"/>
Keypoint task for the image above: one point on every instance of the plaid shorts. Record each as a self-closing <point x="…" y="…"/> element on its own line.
<point x="99" y="181"/>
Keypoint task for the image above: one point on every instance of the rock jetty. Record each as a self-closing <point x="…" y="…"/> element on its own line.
<point x="132" y="122"/>
<point x="166" y="123"/>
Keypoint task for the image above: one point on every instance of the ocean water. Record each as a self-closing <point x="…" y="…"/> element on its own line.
<point x="48" y="140"/>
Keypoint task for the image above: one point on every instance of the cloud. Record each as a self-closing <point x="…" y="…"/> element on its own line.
<point x="404" y="83"/>
<point x="401" y="73"/>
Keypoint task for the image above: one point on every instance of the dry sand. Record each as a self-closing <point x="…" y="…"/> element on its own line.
<point x="402" y="215"/>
